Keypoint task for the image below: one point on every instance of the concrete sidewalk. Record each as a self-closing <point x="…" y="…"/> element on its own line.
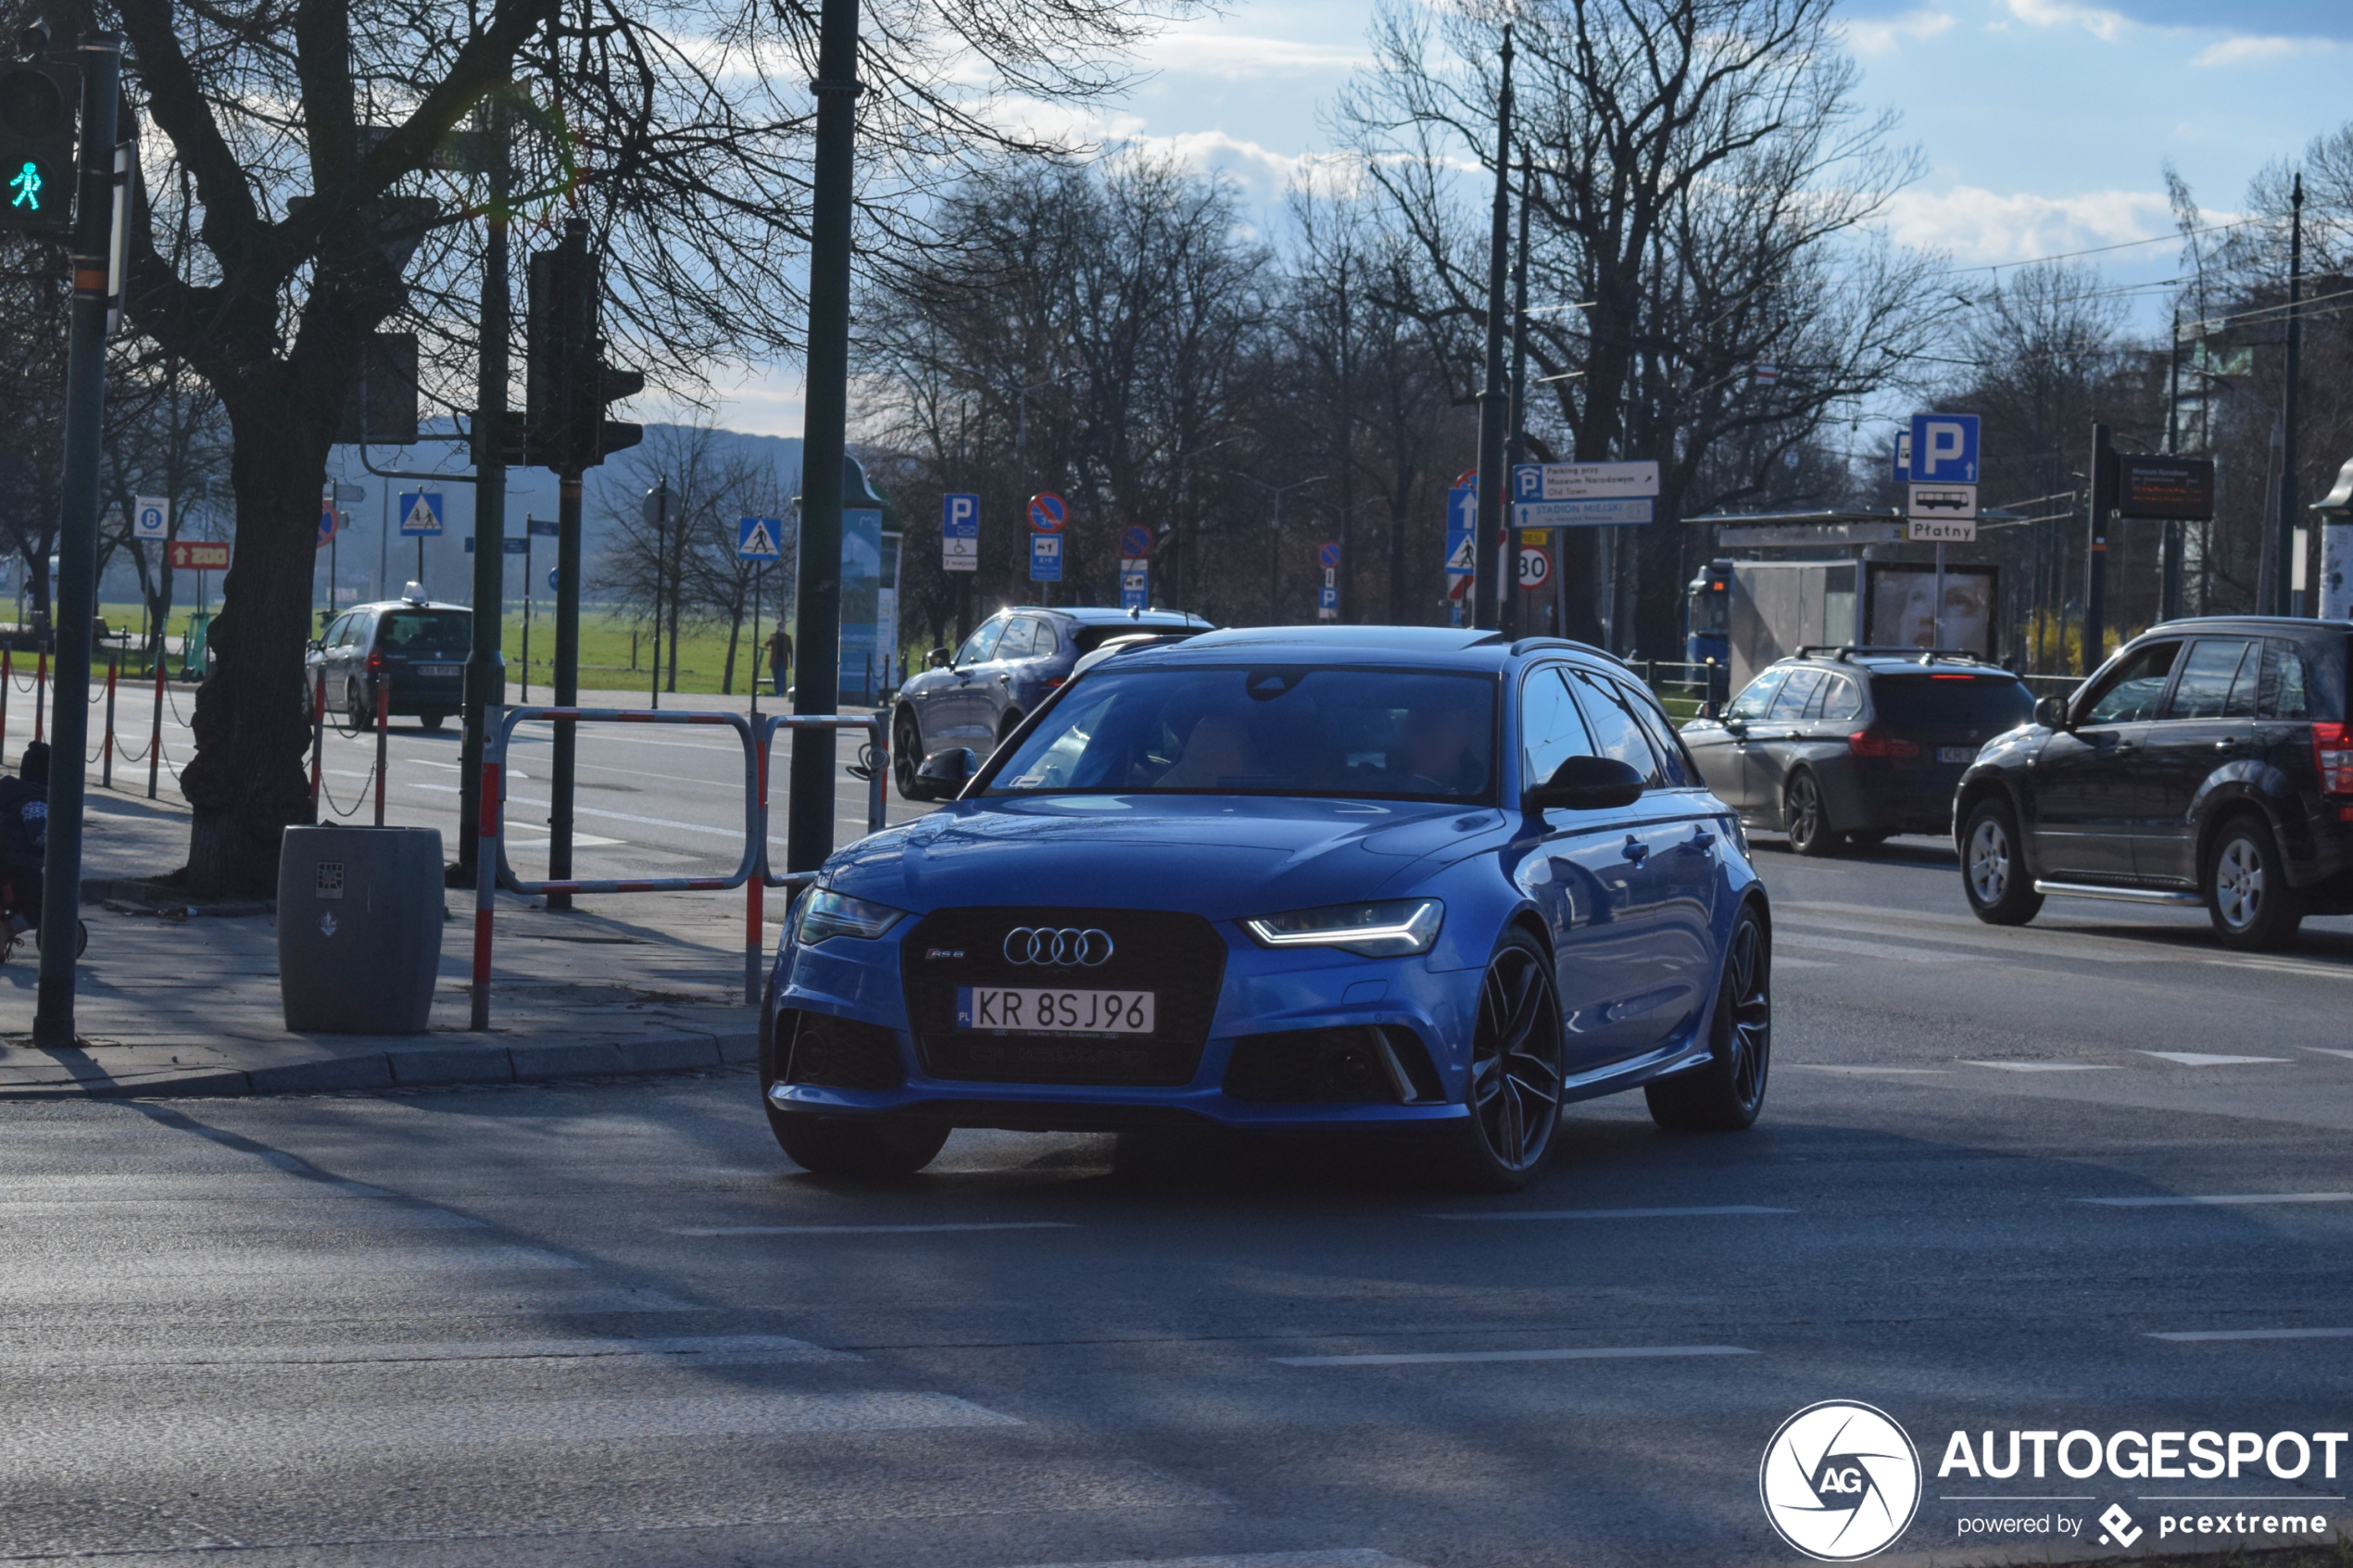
<point x="171" y="1000"/>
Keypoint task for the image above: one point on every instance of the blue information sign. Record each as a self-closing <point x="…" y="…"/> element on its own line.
<point x="1135" y="589"/>
<point x="1943" y="449"/>
<point x="419" y="514"/>
<point x="1045" y="557"/>
<point x="542" y="527"/>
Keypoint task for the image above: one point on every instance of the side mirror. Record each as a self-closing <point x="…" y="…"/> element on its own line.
<point x="1712" y="709"/>
<point x="2051" y="712"/>
<point x="949" y="770"/>
<point x="935" y="659"/>
<point x="1586" y="783"/>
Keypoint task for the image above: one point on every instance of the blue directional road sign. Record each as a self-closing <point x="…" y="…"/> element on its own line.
<point x="419" y="514"/>
<point x="759" y="538"/>
<point x="960" y="532"/>
<point x="1461" y="554"/>
<point x="1045" y="557"/>
<point x="1943" y="449"/>
<point x="519" y="546"/>
<point x="542" y="528"/>
<point x="1135" y="588"/>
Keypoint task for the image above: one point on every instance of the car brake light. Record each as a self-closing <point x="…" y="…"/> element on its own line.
<point x="1055" y="682"/>
<point x="1870" y="742"/>
<point x="1952" y="677"/>
<point x="376" y="663"/>
<point x="2332" y="752"/>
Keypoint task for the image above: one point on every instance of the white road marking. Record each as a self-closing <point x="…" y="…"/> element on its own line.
<point x="875" y="1230"/>
<point x="2200" y="1335"/>
<point x="2280" y="966"/>
<point x="2177" y="1202"/>
<point x="1875" y="950"/>
<point x="2044" y="1066"/>
<point x="1872" y="1072"/>
<point x="1611" y="1213"/>
<point x="1435" y="1358"/>
<point x="1346" y="1557"/>
<point x="2089" y="949"/>
<point x="734" y="833"/>
<point x="1781" y="963"/>
<point x="2208" y="1058"/>
<point x="2329" y="1050"/>
<point x="704" y="1350"/>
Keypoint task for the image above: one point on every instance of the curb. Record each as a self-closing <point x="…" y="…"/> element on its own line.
<point x="418" y="1066"/>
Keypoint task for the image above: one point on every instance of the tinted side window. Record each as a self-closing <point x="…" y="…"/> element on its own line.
<point x="2287" y="686"/>
<point x="1616" y="733"/>
<point x="1840" y="700"/>
<point x="981" y="644"/>
<point x="2133" y="688"/>
<point x="337" y="630"/>
<point x="2207" y="677"/>
<point x="1041" y="637"/>
<point x="1757" y="696"/>
<point x="1796" y="692"/>
<point x="1550" y="729"/>
<point x="1014" y="643"/>
<point x="1674" y="762"/>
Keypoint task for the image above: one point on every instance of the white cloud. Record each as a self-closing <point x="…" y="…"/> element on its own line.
<point x="1882" y="36"/>
<point x="2240" y="51"/>
<point x="2101" y="23"/>
<point x="1239" y="56"/>
<point x="1978" y="226"/>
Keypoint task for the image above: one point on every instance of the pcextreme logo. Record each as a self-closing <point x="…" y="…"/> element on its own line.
<point x="1839" y="1481"/>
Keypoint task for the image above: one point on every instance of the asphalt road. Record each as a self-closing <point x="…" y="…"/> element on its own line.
<point x="608" y="1322"/>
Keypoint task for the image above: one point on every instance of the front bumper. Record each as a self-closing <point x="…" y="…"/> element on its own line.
<point x="1264" y="993"/>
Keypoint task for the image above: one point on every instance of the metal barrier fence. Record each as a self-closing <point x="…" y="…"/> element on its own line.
<point x="751" y="871"/>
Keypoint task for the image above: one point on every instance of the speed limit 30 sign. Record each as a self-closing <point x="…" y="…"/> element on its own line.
<point x="1535" y="565"/>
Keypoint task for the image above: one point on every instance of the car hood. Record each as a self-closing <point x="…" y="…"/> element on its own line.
<point x="1217" y="856"/>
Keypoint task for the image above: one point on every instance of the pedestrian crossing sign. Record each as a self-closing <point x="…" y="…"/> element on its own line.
<point x="756" y="538"/>
<point x="419" y="514"/>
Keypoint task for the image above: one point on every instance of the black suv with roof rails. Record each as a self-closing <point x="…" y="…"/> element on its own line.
<point x="1849" y="744"/>
<point x="2208" y="761"/>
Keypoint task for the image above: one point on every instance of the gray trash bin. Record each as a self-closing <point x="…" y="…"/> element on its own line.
<point x="358" y="928"/>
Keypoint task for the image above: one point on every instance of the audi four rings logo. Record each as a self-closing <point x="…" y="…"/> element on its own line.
<point x="1044" y="945"/>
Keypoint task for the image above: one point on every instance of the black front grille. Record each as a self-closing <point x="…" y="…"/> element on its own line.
<point x="1180" y="959"/>
<point x="839" y="1053"/>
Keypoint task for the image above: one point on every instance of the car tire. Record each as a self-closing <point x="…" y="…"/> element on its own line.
<point x="1513" y="1088"/>
<point x="356" y="713"/>
<point x="906" y="755"/>
<point x="834" y="1146"/>
<point x="1805" y="818"/>
<point x="429" y="721"/>
<point x="1725" y="1093"/>
<point x="1993" y="871"/>
<point x="2247" y="896"/>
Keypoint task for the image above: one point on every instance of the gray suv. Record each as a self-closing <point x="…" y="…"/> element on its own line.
<point x="1006" y="667"/>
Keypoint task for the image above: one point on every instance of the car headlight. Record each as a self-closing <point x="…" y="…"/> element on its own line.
<point x="1387" y="929"/>
<point x="824" y="913"/>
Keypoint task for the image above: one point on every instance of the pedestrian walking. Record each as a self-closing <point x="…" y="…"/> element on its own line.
<point x="779" y="657"/>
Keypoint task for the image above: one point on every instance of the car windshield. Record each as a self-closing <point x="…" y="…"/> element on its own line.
<point x="1386" y="733"/>
<point x="1976" y="702"/>
<point x="427" y="631"/>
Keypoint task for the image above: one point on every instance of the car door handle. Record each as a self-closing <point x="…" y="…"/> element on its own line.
<point x="1635" y="848"/>
<point x="2226" y="747"/>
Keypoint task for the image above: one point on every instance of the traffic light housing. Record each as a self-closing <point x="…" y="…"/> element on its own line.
<point x="566" y="381"/>
<point x="40" y="101"/>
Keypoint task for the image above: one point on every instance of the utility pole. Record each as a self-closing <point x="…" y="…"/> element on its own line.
<point x="2169" y="584"/>
<point x="2283" y="598"/>
<point x="658" y="514"/>
<point x="486" y="669"/>
<point x="1494" y="412"/>
<point x="825" y="434"/>
<point x="101" y="62"/>
<point x="1515" y="452"/>
<point x="2102" y="486"/>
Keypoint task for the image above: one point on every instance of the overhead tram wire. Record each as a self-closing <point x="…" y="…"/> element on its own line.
<point x="2101" y="250"/>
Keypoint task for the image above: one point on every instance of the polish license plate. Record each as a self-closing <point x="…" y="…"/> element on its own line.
<point x="1957" y="753"/>
<point x="1040" y="1012"/>
<point x="441" y="671"/>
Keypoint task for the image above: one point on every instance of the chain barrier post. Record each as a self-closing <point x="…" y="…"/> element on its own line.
<point x="383" y="728"/>
<point x="8" y="680"/>
<point x="106" y="763"/>
<point x="155" y="734"/>
<point x="318" y="736"/>
<point x="489" y="809"/>
<point x="41" y="696"/>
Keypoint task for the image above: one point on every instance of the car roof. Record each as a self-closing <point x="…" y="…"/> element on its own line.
<point x="2275" y="626"/>
<point x="1890" y="661"/>
<point x="407" y="604"/>
<point x="1097" y="615"/>
<point x="1436" y="646"/>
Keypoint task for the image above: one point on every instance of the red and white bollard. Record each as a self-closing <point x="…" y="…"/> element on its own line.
<point x="384" y="726"/>
<point x="155" y="731"/>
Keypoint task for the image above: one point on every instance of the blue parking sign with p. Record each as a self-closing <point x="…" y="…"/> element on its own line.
<point x="1943" y="449"/>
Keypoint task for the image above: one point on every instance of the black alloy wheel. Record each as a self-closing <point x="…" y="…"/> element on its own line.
<point x="1515" y="1072"/>
<point x="1807" y="819"/>
<point x="906" y="755"/>
<point x="2247" y="896"/>
<point x="1724" y="1093"/>
<point x="356" y="713"/>
<point x="1993" y="871"/>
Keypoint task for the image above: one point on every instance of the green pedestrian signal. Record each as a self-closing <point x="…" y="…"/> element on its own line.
<point x="38" y="103"/>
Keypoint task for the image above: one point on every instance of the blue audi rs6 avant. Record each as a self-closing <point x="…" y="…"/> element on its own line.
<point x="1345" y="878"/>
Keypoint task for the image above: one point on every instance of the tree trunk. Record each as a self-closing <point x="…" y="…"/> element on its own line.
<point x="247" y="781"/>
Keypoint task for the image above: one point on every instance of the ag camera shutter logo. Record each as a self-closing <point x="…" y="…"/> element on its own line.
<point x="1839" y="1481"/>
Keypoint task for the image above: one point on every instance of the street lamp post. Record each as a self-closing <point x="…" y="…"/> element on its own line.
<point x="1275" y="536"/>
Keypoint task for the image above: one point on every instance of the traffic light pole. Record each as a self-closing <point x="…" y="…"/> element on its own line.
<point x="1490" y="562"/>
<point x="810" y="830"/>
<point x="567" y="682"/>
<point x="486" y="669"/>
<point x="76" y="607"/>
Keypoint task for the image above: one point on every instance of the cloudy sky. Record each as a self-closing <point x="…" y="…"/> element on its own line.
<point x="2042" y="123"/>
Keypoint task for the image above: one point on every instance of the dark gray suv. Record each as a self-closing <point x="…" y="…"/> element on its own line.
<point x="1010" y="664"/>
<point x="1849" y="744"/>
